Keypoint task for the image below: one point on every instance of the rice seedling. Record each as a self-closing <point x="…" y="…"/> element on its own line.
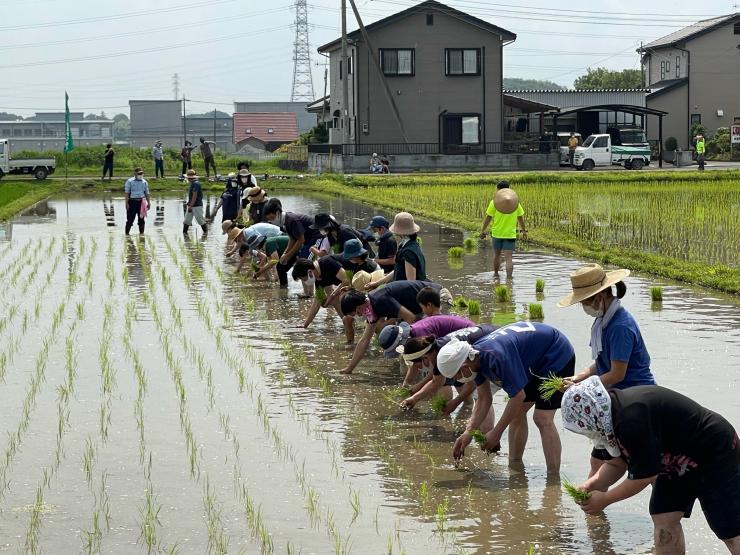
<point x="478" y="436"/>
<point x="320" y="294"/>
<point x="354" y="499"/>
<point x="536" y="312"/>
<point x="539" y="286"/>
<point x="460" y="302"/>
<point x="470" y="244"/>
<point x="441" y="516"/>
<point x="656" y="294"/>
<point x="439" y="404"/>
<point x="578" y="495"/>
<point x="423" y="493"/>
<point x="455" y="252"/>
<point x="473" y="307"/>
<point x="396" y="394"/>
<point x="502" y="293"/>
<point x="551" y="385"/>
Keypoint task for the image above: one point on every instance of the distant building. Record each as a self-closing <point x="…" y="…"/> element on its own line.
<point x="694" y="75"/>
<point x="219" y="129"/>
<point x="153" y="120"/>
<point x="265" y="131"/>
<point x="305" y="120"/>
<point x="46" y="131"/>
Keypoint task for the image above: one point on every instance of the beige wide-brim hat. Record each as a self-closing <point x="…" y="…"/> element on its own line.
<point x="506" y="201"/>
<point x="234" y="233"/>
<point x="589" y="280"/>
<point x="362" y="278"/>
<point x="244" y="173"/>
<point x="403" y="224"/>
<point x="226" y="226"/>
<point x="256" y="194"/>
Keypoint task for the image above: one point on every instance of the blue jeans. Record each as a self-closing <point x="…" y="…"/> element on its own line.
<point x="158" y="168"/>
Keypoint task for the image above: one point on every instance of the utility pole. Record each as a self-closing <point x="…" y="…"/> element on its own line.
<point x="214" y="130"/>
<point x="344" y="76"/>
<point x="176" y="86"/>
<point x="184" y="122"/>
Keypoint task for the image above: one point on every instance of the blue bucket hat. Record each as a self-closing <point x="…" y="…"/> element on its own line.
<point x="254" y="241"/>
<point x="379" y="221"/>
<point x="393" y="336"/>
<point x="353" y="248"/>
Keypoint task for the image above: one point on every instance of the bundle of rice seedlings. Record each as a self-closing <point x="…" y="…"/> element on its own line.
<point x="502" y="293"/>
<point x="478" y="436"/>
<point x="395" y="394"/>
<point x="656" y="293"/>
<point x="255" y="267"/>
<point x="350" y="274"/>
<point x="320" y="294"/>
<point x="536" y="312"/>
<point x="473" y="307"/>
<point x="455" y="252"/>
<point x="439" y="404"/>
<point x="578" y="495"/>
<point x="539" y="286"/>
<point x="470" y="243"/>
<point x="460" y="302"/>
<point x="551" y="385"/>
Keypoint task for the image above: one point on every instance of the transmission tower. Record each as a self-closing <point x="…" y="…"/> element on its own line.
<point x="302" y="78"/>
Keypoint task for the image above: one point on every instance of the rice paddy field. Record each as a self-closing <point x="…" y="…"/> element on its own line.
<point x="151" y="401"/>
<point x="684" y="226"/>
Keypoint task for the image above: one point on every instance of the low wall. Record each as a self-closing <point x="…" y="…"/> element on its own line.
<point x="404" y="163"/>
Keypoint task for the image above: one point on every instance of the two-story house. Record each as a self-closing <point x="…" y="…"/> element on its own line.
<point x="444" y="70"/>
<point x="694" y="75"/>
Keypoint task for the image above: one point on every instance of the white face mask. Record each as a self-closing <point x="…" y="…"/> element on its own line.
<point x="311" y="278"/>
<point x="139" y="177"/>
<point x="593" y="312"/>
<point x="324" y="232"/>
<point x="464" y="379"/>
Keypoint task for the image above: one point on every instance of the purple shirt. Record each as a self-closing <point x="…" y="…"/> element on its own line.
<point x="439" y="325"/>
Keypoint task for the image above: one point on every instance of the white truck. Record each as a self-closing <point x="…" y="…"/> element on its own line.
<point x="600" y="150"/>
<point x="40" y="168"/>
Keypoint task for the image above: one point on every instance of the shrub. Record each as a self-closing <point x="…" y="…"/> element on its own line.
<point x="671" y="144"/>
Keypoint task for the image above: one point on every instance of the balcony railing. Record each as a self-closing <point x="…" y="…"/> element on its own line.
<point x="534" y="146"/>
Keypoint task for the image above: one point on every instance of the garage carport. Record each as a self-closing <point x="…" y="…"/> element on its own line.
<point x="641" y="111"/>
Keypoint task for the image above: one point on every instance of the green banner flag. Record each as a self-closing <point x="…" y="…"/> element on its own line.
<point x="69" y="144"/>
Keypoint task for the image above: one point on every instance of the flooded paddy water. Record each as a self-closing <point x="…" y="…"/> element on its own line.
<point x="151" y="401"/>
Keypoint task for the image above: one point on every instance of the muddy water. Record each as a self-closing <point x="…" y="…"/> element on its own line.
<point x="228" y="444"/>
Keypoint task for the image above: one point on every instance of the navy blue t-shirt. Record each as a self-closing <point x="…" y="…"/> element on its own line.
<point x="512" y="355"/>
<point x="299" y="225"/>
<point x="329" y="265"/>
<point x="230" y="203"/>
<point x="621" y="340"/>
<point x="389" y="299"/>
<point x="387" y="247"/>
<point x="198" y="190"/>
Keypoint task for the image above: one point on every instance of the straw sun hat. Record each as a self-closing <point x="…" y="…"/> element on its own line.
<point x="403" y="224"/>
<point x="589" y="280"/>
<point x="362" y="278"/>
<point x="506" y="201"/>
<point x="234" y="233"/>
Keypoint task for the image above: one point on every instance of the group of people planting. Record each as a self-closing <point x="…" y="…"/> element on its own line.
<point x="377" y="276"/>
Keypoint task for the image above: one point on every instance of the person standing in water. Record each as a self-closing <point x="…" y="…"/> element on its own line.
<point x="505" y="212"/>
<point x="195" y="204"/>
<point x="137" y="192"/>
<point x="108" y="162"/>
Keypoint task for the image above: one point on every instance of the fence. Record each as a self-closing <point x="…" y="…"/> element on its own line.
<point x="395" y="149"/>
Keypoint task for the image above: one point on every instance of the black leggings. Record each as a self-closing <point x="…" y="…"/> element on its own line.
<point x="108" y="168"/>
<point x="186" y="165"/>
<point x="134" y="207"/>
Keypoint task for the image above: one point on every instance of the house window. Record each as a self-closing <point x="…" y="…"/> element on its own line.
<point x="678" y="67"/>
<point x="430" y="19"/>
<point x="248" y="131"/>
<point x="397" y="61"/>
<point x="695" y="118"/>
<point x="340" y="69"/>
<point x="736" y="29"/>
<point x="462" y="61"/>
<point x="270" y="130"/>
<point x="350" y="69"/>
<point x="470" y="130"/>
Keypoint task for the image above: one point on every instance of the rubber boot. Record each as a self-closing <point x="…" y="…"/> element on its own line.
<point x="141" y="227"/>
<point x="204" y="227"/>
<point x="185" y="228"/>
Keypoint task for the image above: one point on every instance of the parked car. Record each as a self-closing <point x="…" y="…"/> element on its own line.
<point x="40" y="168"/>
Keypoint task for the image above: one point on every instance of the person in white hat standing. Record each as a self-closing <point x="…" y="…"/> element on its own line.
<point x="505" y="211"/>
<point x="620" y="357"/>
<point x="516" y="358"/>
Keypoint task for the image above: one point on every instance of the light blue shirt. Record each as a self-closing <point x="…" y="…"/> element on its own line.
<point x="136" y="188"/>
<point x="263" y="228"/>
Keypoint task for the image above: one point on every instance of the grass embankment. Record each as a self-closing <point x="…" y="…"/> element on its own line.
<point x="16" y="196"/>
<point x="680" y="226"/>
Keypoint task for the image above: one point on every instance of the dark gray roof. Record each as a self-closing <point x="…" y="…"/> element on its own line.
<point x="666" y="85"/>
<point x="515" y="91"/>
<point x="428" y="5"/>
<point x="693" y="30"/>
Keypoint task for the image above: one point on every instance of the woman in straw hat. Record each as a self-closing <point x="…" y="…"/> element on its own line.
<point x="663" y="439"/>
<point x="410" y="262"/>
<point x="257" y="198"/>
<point x="506" y="212"/>
<point x="620" y="357"/>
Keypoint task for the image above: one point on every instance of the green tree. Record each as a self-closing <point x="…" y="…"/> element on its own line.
<point x="517" y="84"/>
<point x="602" y="78"/>
<point x="6" y="116"/>
<point x="121" y="127"/>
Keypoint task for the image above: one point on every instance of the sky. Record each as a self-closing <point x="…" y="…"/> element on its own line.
<point x="105" y="53"/>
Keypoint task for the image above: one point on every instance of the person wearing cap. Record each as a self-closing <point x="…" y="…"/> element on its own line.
<point x="137" y="191"/>
<point x="387" y="246"/>
<point x="298" y="228"/>
<point x="506" y="212"/>
<point x="229" y="201"/>
<point x="265" y="252"/>
<point x="257" y="198"/>
<point x="397" y="300"/>
<point x="394" y="336"/>
<point x="108" y="162"/>
<point x="158" y="157"/>
<point x="186" y="156"/>
<point x="620" y="357"/>
<point x="516" y="358"/>
<point x="195" y="204"/>
<point x="664" y="439"/>
<point x="410" y="263"/>
<point x="207" y="153"/>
